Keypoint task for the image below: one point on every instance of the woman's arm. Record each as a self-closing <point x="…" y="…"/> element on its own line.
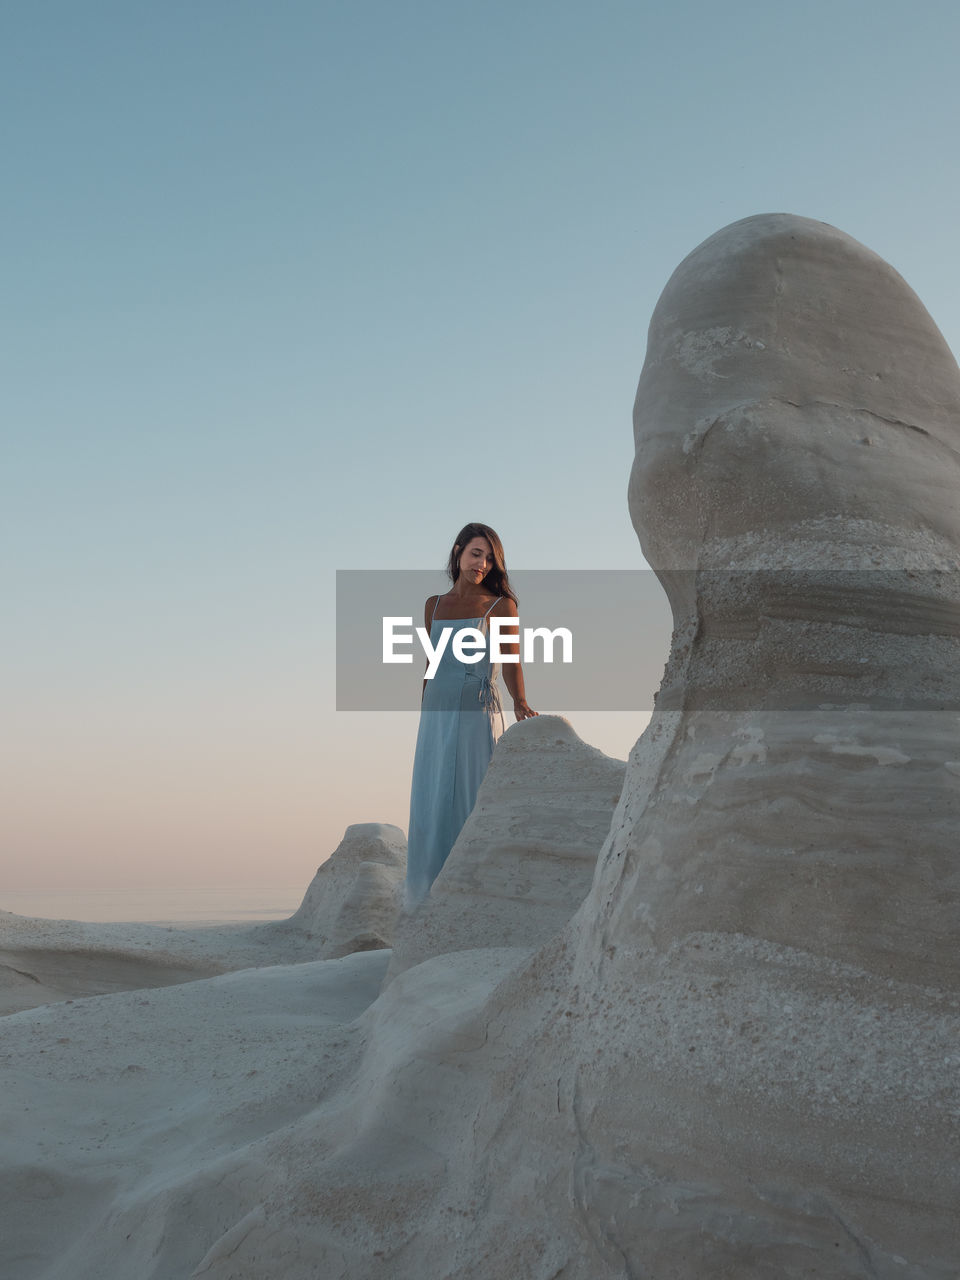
<point x="512" y="671"/>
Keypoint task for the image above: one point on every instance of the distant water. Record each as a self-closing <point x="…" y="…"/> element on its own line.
<point x="188" y="908"/>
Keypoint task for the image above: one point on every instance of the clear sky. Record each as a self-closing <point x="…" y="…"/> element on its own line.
<point x="293" y="286"/>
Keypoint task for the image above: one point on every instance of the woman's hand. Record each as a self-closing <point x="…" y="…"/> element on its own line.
<point x="512" y="673"/>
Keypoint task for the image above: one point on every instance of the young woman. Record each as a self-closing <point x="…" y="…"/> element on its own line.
<point x="461" y="717"/>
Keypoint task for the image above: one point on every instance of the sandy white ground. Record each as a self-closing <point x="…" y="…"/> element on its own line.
<point x="109" y="1099"/>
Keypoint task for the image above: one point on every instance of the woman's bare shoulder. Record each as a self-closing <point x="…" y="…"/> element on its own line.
<point x="505" y="608"/>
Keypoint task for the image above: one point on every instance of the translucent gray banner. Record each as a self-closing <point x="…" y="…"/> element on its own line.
<point x="765" y="639"/>
<point x="619" y="622"/>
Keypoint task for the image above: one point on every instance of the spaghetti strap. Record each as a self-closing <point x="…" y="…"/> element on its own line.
<point x="493" y="606"/>
<point x="435" y="605"/>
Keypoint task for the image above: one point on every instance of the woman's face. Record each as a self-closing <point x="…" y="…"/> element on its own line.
<point x="476" y="560"/>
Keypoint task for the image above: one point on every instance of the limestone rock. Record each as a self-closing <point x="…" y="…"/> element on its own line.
<point x="797" y="406"/>
<point x="767" y="965"/>
<point x="739" y="1057"/>
<point x="352" y="901"/>
<point x="526" y="856"/>
<point x="365" y="921"/>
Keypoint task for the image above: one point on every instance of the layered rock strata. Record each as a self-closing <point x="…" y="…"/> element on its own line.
<point x="775" y="924"/>
<point x="353" y="900"/>
<point x="740" y="1056"/>
<point x="526" y="856"/>
<point x="350" y="905"/>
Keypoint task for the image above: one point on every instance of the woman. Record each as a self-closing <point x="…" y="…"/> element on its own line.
<point x="460" y="717"/>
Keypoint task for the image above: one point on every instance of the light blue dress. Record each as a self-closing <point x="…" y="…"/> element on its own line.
<point x="460" y="721"/>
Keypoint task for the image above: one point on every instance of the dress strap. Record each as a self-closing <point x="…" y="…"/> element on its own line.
<point x="493" y="606"/>
<point x="435" y="605"/>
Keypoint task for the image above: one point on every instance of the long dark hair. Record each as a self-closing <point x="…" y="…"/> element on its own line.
<point x="496" y="580"/>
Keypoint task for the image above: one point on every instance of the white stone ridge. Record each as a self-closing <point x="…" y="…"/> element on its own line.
<point x="526" y="856"/>
<point x="721" y="1042"/>
<point x="353" y="899"/>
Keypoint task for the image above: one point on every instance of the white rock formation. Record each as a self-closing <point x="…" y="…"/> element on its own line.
<point x="525" y="858"/>
<point x="134" y="1124"/>
<point x="778" y="916"/>
<point x="47" y="960"/>
<point x="740" y="1056"/>
<point x="350" y="906"/>
<point x="353" y="899"/>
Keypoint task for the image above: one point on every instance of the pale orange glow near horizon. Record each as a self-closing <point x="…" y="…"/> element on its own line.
<point x="131" y="812"/>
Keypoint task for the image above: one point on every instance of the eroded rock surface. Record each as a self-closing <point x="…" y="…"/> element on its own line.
<point x="526" y="856"/>
<point x="740" y="1056"/>
<point x="352" y="901"/>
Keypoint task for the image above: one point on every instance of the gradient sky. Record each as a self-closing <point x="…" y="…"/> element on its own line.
<point x="298" y="286"/>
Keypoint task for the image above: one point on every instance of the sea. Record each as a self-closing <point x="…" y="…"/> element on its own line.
<point x="184" y="908"/>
